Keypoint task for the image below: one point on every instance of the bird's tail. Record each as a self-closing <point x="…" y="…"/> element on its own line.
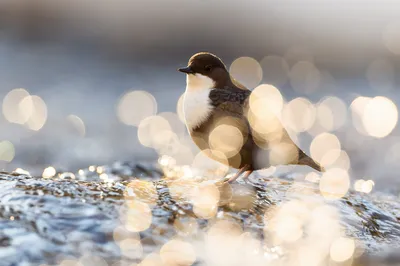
<point x="304" y="159"/>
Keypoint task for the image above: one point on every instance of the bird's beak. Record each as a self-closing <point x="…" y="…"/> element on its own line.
<point x="187" y="70"/>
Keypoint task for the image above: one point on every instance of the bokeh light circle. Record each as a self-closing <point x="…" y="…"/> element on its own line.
<point x="380" y="117"/>
<point x="247" y="71"/>
<point x="323" y="144"/>
<point x="331" y="113"/>
<point x="299" y="114"/>
<point x="334" y="183"/>
<point x="342" y="249"/>
<point x="35" y="109"/>
<point x="7" y="151"/>
<point x="10" y="106"/>
<point x="134" y="106"/>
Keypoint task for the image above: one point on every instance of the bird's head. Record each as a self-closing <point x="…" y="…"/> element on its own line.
<point x="205" y="69"/>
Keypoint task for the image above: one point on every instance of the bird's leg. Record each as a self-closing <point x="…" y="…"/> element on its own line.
<point x="247" y="173"/>
<point x="239" y="173"/>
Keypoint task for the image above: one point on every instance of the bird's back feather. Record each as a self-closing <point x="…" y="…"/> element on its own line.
<point x="234" y="102"/>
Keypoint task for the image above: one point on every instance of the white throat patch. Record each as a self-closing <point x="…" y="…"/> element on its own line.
<point x="196" y="104"/>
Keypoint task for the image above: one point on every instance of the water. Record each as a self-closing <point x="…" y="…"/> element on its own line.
<point x="80" y="216"/>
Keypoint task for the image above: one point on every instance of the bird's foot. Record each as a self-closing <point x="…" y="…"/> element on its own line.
<point x="242" y="170"/>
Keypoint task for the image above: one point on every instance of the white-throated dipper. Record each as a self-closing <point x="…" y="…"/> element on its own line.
<point x="217" y="110"/>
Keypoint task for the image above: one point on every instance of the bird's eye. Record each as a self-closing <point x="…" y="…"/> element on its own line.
<point x="208" y="68"/>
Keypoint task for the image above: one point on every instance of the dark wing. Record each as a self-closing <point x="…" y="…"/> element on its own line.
<point x="234" y="102"/>
<point x="231" y="101"/>
<point x="230" y="104"/>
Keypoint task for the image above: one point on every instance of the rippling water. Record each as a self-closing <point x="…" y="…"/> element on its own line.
<point x="78" y="216"/>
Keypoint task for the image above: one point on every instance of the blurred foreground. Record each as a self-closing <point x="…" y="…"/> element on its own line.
<point x="102" y="216"/>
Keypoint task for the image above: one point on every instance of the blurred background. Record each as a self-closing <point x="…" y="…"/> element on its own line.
<point x="79" y="77"/>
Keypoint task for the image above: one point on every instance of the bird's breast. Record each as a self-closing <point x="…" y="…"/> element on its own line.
<point x="196" y="105"/>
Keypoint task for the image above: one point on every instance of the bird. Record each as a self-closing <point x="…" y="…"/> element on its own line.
<point x="219" y="118"/>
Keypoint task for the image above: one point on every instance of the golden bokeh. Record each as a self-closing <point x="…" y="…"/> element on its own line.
<point x="224" y="228"/>
<point x="131" y="248"/>
<point x="312" y="177"/>
<point x="364" y="186"/>
<point x="299" y="114"/>
<point x="177" y="252"/>
<point x="305" y="77"/>
<point x="151" y="129"/>
<point x="166" y="142"/>
<point x="205" y="198"/>
<point x="246" y="70"/>
<point x="336" y="159"/>
<point x="183" y="154"/>
<point x="286" y="222"/>
<point x="7" y="151"/>
<point x="227" y="139"/>
<point x="275" y="69"/>
<point x="357" y="111"/>
<point x="252" y="247"/>
<point x="138" y="217"/>
<point x="323" y="144"/>
<point x="134" y="106"/>
<point x="151" y="260"/>
<point x="11" y="109"/>
<point x="211" y="162"/>
<point x="186" y="225"/>
<point x="205" y="211"/>
<point x="380" y="117"/>
<point x="266" y="98"/>
<point x="265" y="106"/>
<point x="77" y="124"/>
<point x="342" y="249"/>
<point x="120" y="233"/>
<point x="283" y="153"/>
<point x="391" y="37"/>
<point x="222" y="238"/>
<point x="308" y="255"/>
<point x="331" y="113"/>
<point x="35" y="109"/>
<point x="324" y="216"/>
<point x="49" y="172"/>
<point x="334" y="183"/>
